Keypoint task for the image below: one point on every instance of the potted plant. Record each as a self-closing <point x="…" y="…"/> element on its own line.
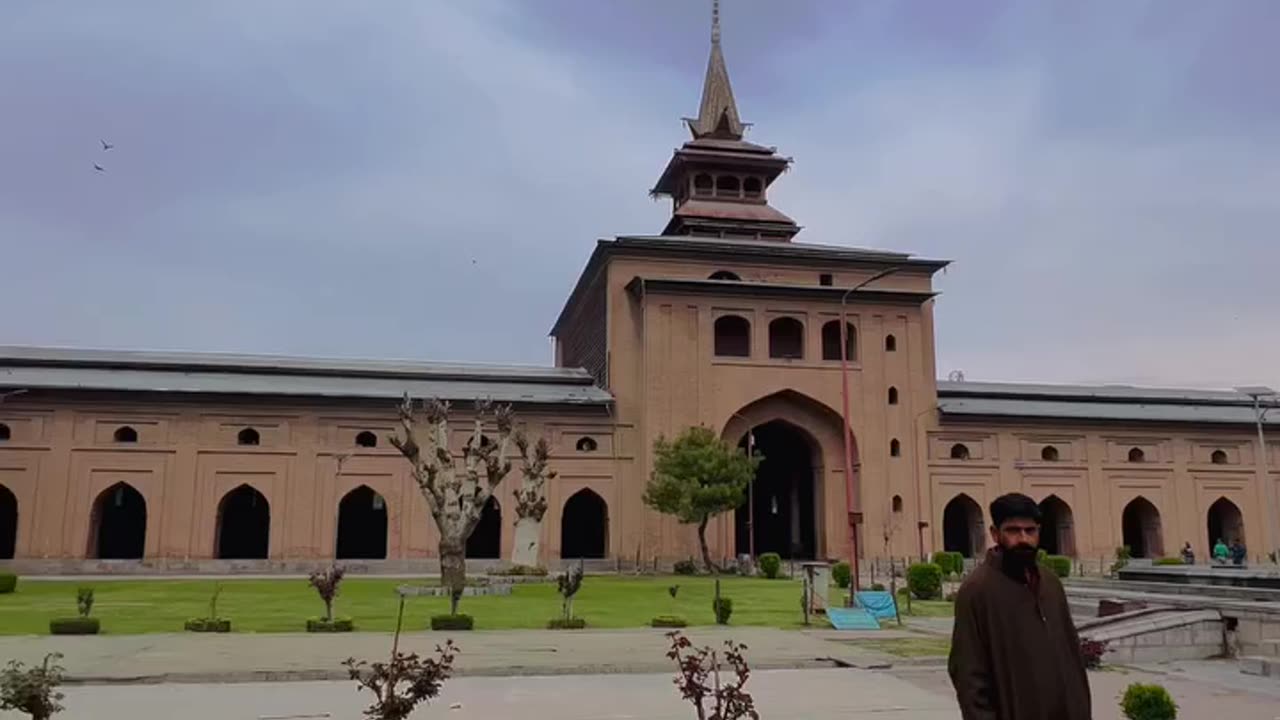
<point x="211" y="623"/>
<point x="570" y="581"/>
<point x="81" y="625"/>
<point x="670" y="620"/>
<point x="326" y="583"/>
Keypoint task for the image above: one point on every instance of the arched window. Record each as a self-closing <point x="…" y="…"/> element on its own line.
<point x="724" y="275"/>
<point x="248" y="436"/>
<point x="890" y="343"/>
<point x="897" y="503"/>
<point x="752" y="187"/>
<point x="584" y="526"/>
<point x="733" y="336"/>
<point x="702" y="184"/>
<point x="118" y="524"/>
<point x="4" y="432"/>
<point x="959" y="451"/>
<point x="786" y="338"/>
<point x="485" y="542"/>
<point x="893" y="396"/>
<point x="125" y="434"/>
<point x="366" y="439"/>
<point x="831" y="341"/>
<point x="895" y="447"/>
<point x="587" y="444"/>
<point x="362" y="526"/>
<point x="1219" y="457"/>
<point x="242" y="529"/>
<point x="1136" y="455"/>
<point x="1049" y="453"/>
<point x="728" y="186"/>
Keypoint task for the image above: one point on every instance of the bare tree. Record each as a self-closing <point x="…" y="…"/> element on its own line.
<point x="456" y="491"/>
<point x="531" y="499"/>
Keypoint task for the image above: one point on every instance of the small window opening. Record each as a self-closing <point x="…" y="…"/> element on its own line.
<point x="587" y="444"/>
<point x="895" y="447"/>
<point x="959" y="451"/>
<point x="248" y="436"/>
<point x="1219" y="457"/>
<point x="826" y="280"/>
<point x="366" y="439"/>
<point x="125" y="434"/>
<point x="890" y="343"/>
<point x="1049" y="452"/>
<point x="1136" y="455"/>
<point x="893" y="396"/>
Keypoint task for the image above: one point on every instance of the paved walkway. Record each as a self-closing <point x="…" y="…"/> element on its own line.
<point x="246" y="657"/>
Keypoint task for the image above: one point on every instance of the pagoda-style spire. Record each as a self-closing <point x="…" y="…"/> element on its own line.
<point x="718" y="114"/>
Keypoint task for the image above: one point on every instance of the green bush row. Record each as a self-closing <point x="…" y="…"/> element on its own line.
<point x="952" y="563"/>
<point x="8" y="582"/>
<point x="321" y="625"/>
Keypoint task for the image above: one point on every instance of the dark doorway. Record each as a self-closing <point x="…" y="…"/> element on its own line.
<point x="8" y="523"/>
<point x="962" y="528"/>
<point x="1057" y="527"/>
<point x="785" y="518"/>
<point x="485" y="542"/>
<point x="362" y="526"/>
<point x="584" y="526"/>
<point x="118" y="524"/>
<point x="1225" y="523"/>
<point x="244" y="525"/>
<point x="1140" y="529"/>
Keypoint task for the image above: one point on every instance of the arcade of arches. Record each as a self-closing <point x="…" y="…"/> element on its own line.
<point x="964" y="527"/>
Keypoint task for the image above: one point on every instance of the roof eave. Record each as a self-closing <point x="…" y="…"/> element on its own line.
<point x="639" y="286"/>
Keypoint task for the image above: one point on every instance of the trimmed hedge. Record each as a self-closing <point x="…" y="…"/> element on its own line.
<point x="523" y="571"/>
<point x="770" y="564"/>
<point x="951" y="562"/>
<point x="686" y="567"/>
<point x="1148" y="702"/>
<point x="841" y="574"/>
<point x="668" y="621"/>
<point x="723" y="608"/>
<point x="925" y="581"/>
<point x="461" y="621"/>
<point x="321" y="625"/>
<point x="8" y="582"/>
<point x="1059" y="564"/>
<point x="574" y="623"/>
<point x="208" y="625"/>
<point x="1167" y="561"/>
<point x="74" y="626"/>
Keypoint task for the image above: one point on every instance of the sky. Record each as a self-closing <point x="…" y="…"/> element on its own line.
<point x="425" y="179"/>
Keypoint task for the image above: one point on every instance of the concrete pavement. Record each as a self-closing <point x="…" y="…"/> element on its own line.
<point x="808" y="694"/>
<point x="247" y="657"/>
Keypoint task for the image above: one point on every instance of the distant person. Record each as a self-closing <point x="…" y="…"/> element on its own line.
<point x="1015" y="654"/>
<point x="1238" y="553"/>
<point x="1188" y="555"/>
<point x="1221" y="553"/>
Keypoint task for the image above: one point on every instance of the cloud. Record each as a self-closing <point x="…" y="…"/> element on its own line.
<point x="427" y="179"/>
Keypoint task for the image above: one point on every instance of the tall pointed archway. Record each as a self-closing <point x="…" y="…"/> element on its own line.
<point x="1140" y="529"/>
<point x="1057" y="527"/>
<point x="962" y="527"/>
<point x="485" y="542"/>
<point x="584" y="526"/>
<point x="118" y="524"/>
<point x="1225" y="522"/>
<point x="362" y="526"/>
<point x="244" y="525"/>
<point x="8" y="523"/>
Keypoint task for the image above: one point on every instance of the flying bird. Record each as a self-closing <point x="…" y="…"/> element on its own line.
<point x="106" y="145"/>
<point x="99" y="168"/>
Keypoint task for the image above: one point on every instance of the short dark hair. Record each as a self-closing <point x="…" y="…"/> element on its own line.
<point x="1013" y="505"/>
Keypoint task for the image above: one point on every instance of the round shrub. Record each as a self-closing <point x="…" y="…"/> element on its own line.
<point x="74" y="626"/>
<point x="668" y="621"/>
<point x="573" y="623"/>
<point x="770" y="564"/>
<point x="952" y="563"/>
<point x="208" y="625"/>
<point x="686" y="567"/>
<point x="460" y="621"/>
<point x="925" y="581"/>
<point x="841" y="574"/>
<point x="1148" y="702"/>
<point x="8" y="582"/>
<point x="320" y="625"/>
<point x="723" y="608"/>
<point x="1060" y="564"/>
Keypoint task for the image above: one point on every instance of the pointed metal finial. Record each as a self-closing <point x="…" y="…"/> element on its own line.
<point x="715" y="21"/>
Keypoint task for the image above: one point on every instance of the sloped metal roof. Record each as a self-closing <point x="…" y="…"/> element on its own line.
<point x="960" y="400"/>
<point x="131" y="371"/>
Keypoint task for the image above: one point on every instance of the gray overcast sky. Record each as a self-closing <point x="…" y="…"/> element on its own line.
<point x="425" y="179"/>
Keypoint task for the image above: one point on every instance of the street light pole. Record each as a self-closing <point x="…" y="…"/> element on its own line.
<point x="851" y="506"/>
<point x="1257" y="393"/>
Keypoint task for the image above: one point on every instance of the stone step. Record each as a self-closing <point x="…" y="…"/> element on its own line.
<point x="1261" y="666"/>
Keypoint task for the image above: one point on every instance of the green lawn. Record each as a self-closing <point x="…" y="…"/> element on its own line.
<point x="153" y="606"/>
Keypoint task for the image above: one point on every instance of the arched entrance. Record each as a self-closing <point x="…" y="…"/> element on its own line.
<point x="485" y="542"/>
<point x="584" y="526"/>
<point x="1225" y="523"/>
<point x="1140" y="529"/>
<point x="362" y="526"/>
<point x="118" y="524"/>
<point x="1057" y="527"/>
<point x="244" y="525"/>
<point x="8" y="523"/>
<point x="962" y="527"/>
<point x="785" y="518"/>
